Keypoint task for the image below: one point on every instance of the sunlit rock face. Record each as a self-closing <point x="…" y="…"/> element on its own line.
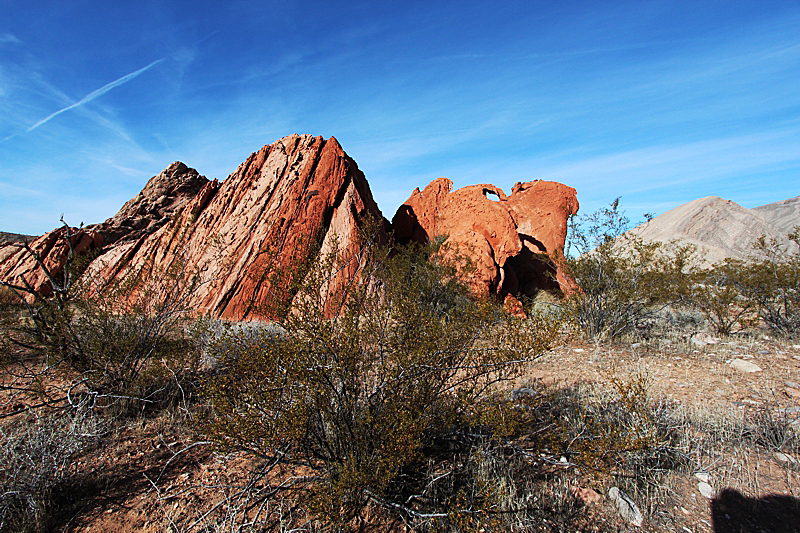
<point x="505" y="238"/>
<point x="286" y="202"/>
<point x="290" y="201"/>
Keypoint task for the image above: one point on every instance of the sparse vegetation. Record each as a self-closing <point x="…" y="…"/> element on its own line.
<point x="117" y="343"/>
<point x="623" y="281"/>
<point x="382" y="395"/>
<point x="772" y="283"/>
<point x="368" y="376"/>
<point x="35" y="476"/>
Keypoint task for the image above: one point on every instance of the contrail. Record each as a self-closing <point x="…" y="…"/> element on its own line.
<point x="99" y="92"/>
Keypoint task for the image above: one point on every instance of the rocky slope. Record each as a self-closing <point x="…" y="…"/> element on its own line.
<point x="782" y="216"/>
<point x="278" y="205"/>
<point x="6" y="238"/>
<point x="163" y="196"/>
<point x="721" y="228"/>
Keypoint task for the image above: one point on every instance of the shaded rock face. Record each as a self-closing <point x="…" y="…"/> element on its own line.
<point x="164" y="195"/>
<point x="504" y="237"/>
<point x="284" y="199"/>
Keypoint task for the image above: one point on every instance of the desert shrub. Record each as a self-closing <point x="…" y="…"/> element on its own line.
<point x="35" y="456"/>
<point x="618" y="431"/>
<point x="367" y="375"/>
<point x="623" y="281"/>
<point x="519" y="475"/>
<point x="115" y="342"/>
<point x="772" y="283"/>
<point x="716" y="292"/>
<point x="8" y="301"/>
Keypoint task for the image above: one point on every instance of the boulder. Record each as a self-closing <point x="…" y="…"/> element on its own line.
<point x="515" y="243"/>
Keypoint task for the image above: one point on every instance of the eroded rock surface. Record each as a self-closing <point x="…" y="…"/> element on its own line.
<point x="163" y="196"/>
<point x="504" y="237"/>
<point x="285" y="198"/>
<point x="299" y="196"/>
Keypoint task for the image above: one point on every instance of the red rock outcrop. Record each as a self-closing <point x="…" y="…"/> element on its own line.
<point x="289" y="195"/>
<point x="163" y="196"/>
<point x="283" y="200"/>
<point x="504" y="238"/>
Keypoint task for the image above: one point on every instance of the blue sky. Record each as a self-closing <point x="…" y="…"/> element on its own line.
<point x="657" y="102"/>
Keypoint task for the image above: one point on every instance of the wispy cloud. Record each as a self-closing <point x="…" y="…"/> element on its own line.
<point x="94" y="94"/>
<point x="9" y="38"/>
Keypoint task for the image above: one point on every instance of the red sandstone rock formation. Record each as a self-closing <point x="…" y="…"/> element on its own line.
<point x="292" y="194"/>
<point x="163" y="196"/>
<point x="504" y="238"/>
<point x="296" y="192"/>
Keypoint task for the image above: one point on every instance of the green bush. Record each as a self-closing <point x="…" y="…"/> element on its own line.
<point x="623" y="281"/>
<point x="367" y="375"/>
<point x="118" y="342"/>
<point x="772" y="283"/>
<point x="716" y="292"/>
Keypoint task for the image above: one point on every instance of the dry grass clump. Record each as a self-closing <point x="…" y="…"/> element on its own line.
<point x="35" y="475"/>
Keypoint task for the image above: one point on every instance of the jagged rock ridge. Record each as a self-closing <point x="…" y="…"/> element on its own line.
<point x="164" y="195"/>
<point x="299" y="191"/>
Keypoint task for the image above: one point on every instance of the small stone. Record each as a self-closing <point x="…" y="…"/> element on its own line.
<point x="705" y="477"/>
<point x="744" y="366"/>
<point x="705" y="338"/>
<point x="636" y="345"/>
<point x="578" y="350"/>
<point x="516" y="394"/>
<point x="786" y="459"/>
<point x="763" y="352"/>
<point x="792" y="392"/>
<point x="586" y="495"/>
<point x="626" y="507"/>
<point x="706" y="490"/>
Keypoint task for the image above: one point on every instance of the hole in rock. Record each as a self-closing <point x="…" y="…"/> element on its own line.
<point x="491" y="195"/>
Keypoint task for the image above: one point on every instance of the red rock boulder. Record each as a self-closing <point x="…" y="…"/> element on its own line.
<point x="507" y="239"/>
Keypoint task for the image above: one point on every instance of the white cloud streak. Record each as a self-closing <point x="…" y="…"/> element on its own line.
<point x="9" y="38"/>
<point x="95" y="94"/>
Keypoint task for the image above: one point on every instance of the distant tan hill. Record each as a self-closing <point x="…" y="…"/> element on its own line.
<point x="782" y="216"/>
<point x="721" y="228"/>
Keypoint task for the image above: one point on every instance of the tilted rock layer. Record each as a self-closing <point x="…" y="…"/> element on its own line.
<point x="284" y="200"/>
<point x="505" y="237"/>
<point x="289" y="195"/>
<point x="163" y="196"/>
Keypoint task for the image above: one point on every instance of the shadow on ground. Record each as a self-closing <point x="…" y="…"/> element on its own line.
<point x="733" y="512"/>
